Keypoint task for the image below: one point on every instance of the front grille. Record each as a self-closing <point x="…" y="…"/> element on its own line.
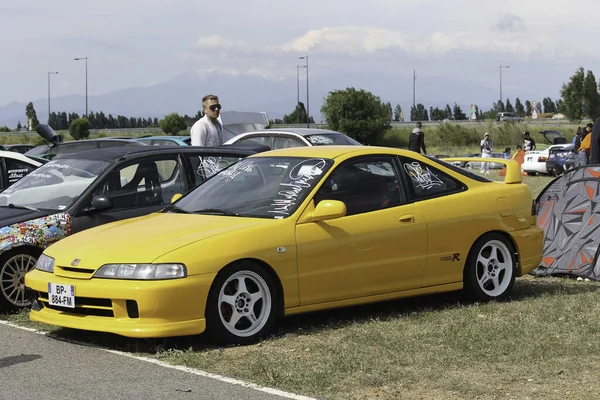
<point x="83" y="306"/>
<point x="78" y="270"/>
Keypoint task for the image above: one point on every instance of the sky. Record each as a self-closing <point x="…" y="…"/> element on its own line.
<point x="133" y="43"/>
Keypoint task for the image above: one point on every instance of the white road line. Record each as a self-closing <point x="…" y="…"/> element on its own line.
<point x="194" y="371"/>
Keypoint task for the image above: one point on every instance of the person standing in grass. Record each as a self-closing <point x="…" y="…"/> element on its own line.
<point x="486" y="152"/>
<point x="416" y="140"/>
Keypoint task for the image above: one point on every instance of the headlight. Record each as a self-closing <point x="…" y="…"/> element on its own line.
<point x="45" y="263"/>
<point x="142" y="271"/>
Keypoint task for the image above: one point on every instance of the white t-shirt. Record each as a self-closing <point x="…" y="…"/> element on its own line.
<point x="206" y="133"/>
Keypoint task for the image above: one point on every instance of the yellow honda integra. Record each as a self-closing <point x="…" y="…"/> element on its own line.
<point x="292" y="231"/>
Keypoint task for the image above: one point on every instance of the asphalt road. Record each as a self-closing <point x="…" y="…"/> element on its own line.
<point x="35" y="366"/>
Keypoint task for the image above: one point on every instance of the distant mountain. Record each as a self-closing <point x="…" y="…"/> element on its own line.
<point x="252" y="92"/>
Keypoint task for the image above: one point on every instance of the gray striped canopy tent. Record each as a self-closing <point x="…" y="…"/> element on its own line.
<point x="568" y="210"/>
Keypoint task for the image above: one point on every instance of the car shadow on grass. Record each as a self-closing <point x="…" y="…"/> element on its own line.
<point x="315" y="322"/>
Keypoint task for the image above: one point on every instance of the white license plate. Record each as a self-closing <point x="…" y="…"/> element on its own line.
<point x="61" y="295"/>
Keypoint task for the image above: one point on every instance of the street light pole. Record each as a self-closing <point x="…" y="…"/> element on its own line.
<point x="307" y="103"/>
<point x="414" y="83"/>
<point x="86" y="82"/>
<point x="502" y="66"/>
<point x="298" y="90"/>
<point x="49" y="73"/>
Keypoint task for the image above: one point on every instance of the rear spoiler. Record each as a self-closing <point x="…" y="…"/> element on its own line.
<point x="513" y="168"/>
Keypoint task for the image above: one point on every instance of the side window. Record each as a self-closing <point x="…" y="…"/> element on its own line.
<point x="144" y="183"/>
<point x="263" y="140"/>
<point x="364" y="186"/>
<point x="161" y="142"/>
<point x="205" y="166"/>
<point x="426" y="181"/>
<point x="16" y="170"/>
<point x="284" y="143"/>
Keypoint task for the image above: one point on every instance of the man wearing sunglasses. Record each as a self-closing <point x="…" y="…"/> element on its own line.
<point x="208" y="131"/>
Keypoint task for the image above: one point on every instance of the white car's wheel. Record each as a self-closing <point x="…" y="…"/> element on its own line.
<point x="491" y="268"/>
<point x="242" y="304"/>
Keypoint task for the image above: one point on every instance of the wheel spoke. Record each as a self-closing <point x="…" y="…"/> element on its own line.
<point x="228" y="300"/>
<point x="483" y="280"/>
<point x="7" y="273"/>
<point x="235" y="318"/>
<point x="242" y="285"/>
<point x="496" y="282"/>
<point x="252" y="317"/>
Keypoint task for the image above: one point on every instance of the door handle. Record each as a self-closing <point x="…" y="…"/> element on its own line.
<point x="407" y="218"/>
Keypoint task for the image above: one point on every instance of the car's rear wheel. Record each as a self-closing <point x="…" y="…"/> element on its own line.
<point x="242" y="304"/>
<point x="13" y="267"/>
<point x="491" y="268"/>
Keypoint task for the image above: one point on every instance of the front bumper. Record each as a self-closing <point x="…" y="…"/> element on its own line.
<point x="140" y="309"/>
<point x="530" y="244"/>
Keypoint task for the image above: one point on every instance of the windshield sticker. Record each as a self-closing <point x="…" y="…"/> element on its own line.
<point x="236" y="169"/>
<point x="423" y="179"/>
<point x="39" y="232"/>
<point x="318" y="139"/>
<point x="40" y="175"/>
<point x="16" y="174"/>
<point x="301" y="177"/>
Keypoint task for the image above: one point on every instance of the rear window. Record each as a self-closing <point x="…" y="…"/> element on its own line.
<point x="462" y="171"/>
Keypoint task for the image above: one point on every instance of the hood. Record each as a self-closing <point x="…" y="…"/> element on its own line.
<point x="417" y="130"/>
<point x="10" y="216"/>
<point x="144" y="239"/>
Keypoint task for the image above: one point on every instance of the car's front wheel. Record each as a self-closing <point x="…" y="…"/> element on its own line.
<point x="242" y="304"/>
<point x="13" y="267"/>
<point x="491" y="268"/>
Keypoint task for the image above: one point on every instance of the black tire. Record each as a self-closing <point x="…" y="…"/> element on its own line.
<point x="490" y="269"/>
<point x="255" y="306"/>
<point x="14" y="264"/>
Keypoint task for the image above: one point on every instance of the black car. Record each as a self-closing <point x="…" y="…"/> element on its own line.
<point x="57" y="147"/>
<point x="18" y="148"/>
<point x="81" y="190"/>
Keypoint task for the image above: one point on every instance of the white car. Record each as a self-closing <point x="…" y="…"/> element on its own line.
<point x="279" y="138"/>
<point x="535" y="160"/>
<point x="14" y="166"/>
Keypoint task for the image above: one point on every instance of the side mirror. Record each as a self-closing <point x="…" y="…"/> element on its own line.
<point x="100" y="202"/>
<point x="175" y="197"/>
<point x="47" y="133"/>
<point x="328" y="209"/>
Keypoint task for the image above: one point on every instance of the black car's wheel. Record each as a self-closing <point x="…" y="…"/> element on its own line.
<point x="491" y="268"/>
<point x="13" y="267"/>
<point x="242" y="304"/>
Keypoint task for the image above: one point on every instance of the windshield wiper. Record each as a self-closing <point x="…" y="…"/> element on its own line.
<point x="216" y="211"/>
<point x="176" y="209"/>
<point x="19" y="207"/>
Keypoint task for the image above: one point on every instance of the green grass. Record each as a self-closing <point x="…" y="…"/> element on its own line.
<point x="544" y="343"/>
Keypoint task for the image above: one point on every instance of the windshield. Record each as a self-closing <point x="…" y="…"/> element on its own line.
<point x="324" y="139"/>
<point x="263" y="187"/>
<point x="55" y="185"/>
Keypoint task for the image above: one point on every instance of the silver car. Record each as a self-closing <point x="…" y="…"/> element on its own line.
<point x="281" y="138"/>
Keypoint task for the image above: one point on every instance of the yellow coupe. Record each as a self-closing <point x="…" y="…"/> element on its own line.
<point x="291" y="231"/>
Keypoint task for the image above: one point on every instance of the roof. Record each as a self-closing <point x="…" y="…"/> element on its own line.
<point x="299" y="131"/>
<point x="162" y="137"/>
<point x="113" y="153"/>
<point x="333" y="151"/>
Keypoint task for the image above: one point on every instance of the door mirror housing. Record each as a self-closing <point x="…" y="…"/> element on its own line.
<point x="328" y="209"/>
<point x="100" y="203"/>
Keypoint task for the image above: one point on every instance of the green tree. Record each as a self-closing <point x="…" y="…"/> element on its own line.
<point x="519" y="109"/>
<point x="390" y="111"/>
<point x="509" y="106"/>
<point x="31" y="116"/>
<point x="80" y="128"/>
<point x="298" y="116"/>
<point x="358" y="113"/>
<point x="4" y="128"/>
<point x="591" y="97"/>
<point x="19" y="126"/>
<point x="448" y="111"/>
<point x="573" y="96"/>
<point x="172" y="124"/>
<point x="528" y="108"/>
<point x="457" y="113"/>
<point x="398" y="115"/>
<point x="437" y="114"/>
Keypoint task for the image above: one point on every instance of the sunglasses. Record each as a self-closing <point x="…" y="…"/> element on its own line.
<point x="214" y="107"/>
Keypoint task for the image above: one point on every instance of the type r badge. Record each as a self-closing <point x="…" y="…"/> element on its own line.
<point x="453" y="257"/>
<point x="75" y="262"/>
